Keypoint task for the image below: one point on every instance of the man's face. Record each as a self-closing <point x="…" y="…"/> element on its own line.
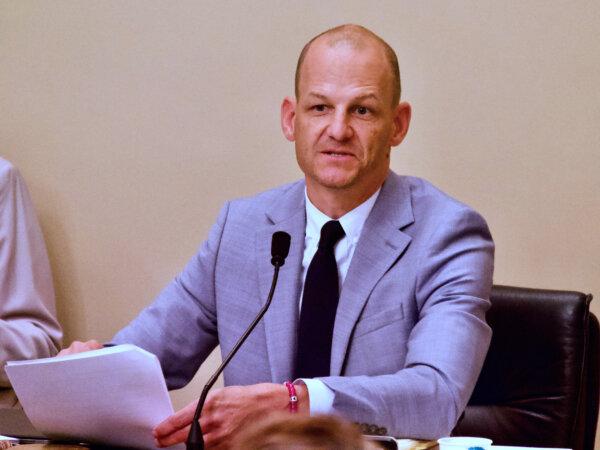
<point x="344" y="122"/>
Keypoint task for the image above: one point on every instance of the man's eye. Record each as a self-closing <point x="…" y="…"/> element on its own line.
<point x="362" y="110"/>
<point x="319" y="108"/>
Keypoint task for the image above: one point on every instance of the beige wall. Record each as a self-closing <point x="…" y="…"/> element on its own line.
<point x="133" y="121"/>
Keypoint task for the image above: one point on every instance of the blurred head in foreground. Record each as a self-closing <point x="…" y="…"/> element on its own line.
<point x="294" y="432"/>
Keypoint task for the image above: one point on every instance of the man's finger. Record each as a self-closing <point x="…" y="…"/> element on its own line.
<point x="216" y="441"/>
<point x="79" y="347"/>
<point x="177" y="421"/>
<point x="176" y="437"/>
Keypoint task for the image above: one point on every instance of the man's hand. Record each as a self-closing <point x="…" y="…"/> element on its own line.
<point x="228" y="410"/>
<point x="78" y="347"/>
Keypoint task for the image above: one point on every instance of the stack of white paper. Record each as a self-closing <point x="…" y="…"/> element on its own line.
<point x="112" y="396"/>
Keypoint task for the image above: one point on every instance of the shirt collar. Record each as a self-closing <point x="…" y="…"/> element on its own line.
<point x="352" y="222"/>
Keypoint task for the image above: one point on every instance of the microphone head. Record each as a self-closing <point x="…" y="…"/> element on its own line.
<point x="280" y="247"/>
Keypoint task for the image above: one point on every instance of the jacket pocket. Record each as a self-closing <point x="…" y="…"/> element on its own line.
<point x="378" y="320"/>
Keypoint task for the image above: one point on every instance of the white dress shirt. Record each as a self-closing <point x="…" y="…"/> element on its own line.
<point x="321" y="397"/>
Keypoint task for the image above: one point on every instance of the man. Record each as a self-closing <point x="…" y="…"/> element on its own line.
<point x="28" y="327"/>
<point x="414" y="267"/>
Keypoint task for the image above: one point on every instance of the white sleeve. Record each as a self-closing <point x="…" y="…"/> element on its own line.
<point x="321" y="397"/>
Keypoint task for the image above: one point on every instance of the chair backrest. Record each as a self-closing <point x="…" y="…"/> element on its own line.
<point x="539" y="383"/>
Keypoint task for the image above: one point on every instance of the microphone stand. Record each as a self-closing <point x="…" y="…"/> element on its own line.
<point x="195" y="440"/>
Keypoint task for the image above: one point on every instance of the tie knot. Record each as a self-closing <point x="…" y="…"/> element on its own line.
<point x="331" y="233"/>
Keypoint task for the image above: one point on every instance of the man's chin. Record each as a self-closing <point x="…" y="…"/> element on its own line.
<point x="335" y="182"/>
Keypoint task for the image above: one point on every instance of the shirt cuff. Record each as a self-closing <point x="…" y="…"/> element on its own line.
<point x="320" y="396"/>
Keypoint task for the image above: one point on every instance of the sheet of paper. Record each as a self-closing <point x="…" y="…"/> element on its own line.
<point x="414" y="444"/>
<point x="112" y="396"/>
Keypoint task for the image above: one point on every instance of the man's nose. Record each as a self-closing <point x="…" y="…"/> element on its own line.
<point x="340" y="128"/>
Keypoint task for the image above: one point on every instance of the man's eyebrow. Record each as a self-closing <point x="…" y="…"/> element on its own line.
<point x="367" y="97"/>
<point x="317" y="95"/>
<point x="360" y="97"/>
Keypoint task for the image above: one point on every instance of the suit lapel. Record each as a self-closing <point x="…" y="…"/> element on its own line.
<point x="281" y="320"/>
<point x="381" y="244"/>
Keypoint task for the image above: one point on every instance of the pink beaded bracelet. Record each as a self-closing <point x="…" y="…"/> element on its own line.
<point x="293" y="397"/>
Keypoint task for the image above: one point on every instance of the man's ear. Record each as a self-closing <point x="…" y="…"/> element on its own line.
<point x="402" y="116"/>
<point x="288" y="114"/>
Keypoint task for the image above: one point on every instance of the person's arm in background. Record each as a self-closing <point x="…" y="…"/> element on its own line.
<point x="28" y="325"/>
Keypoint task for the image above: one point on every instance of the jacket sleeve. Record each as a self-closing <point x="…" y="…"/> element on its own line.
<point x="180" y="326"/>
<point x="446" y="347"/>
<point x="28" y="327"/>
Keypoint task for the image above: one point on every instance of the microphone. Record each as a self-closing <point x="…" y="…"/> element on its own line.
<point x="280" y="247"/>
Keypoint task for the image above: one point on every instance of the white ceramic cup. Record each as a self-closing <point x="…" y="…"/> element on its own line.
<point x="464" y="443"/>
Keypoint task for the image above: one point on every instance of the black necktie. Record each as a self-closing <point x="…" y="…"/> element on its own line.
<point x="319" y="303"/>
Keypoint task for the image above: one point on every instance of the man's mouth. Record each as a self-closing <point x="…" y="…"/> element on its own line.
<point x="338" y="154"/>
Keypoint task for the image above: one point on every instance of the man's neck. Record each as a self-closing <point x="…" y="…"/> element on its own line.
<point x="336" y="202"/>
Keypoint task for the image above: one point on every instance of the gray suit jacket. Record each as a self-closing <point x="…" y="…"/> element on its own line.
<point x="410" y="335"/>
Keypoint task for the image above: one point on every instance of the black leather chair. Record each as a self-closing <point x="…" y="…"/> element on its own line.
<point x="539" y="383"/>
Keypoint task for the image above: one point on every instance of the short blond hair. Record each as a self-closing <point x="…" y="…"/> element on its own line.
<point x="295" y="432"/>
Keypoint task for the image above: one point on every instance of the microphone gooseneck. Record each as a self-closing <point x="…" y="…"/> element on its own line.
<point x="280" y="247"/>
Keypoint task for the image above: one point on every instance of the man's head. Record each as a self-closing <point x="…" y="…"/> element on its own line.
<point x="345" y="117"/>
